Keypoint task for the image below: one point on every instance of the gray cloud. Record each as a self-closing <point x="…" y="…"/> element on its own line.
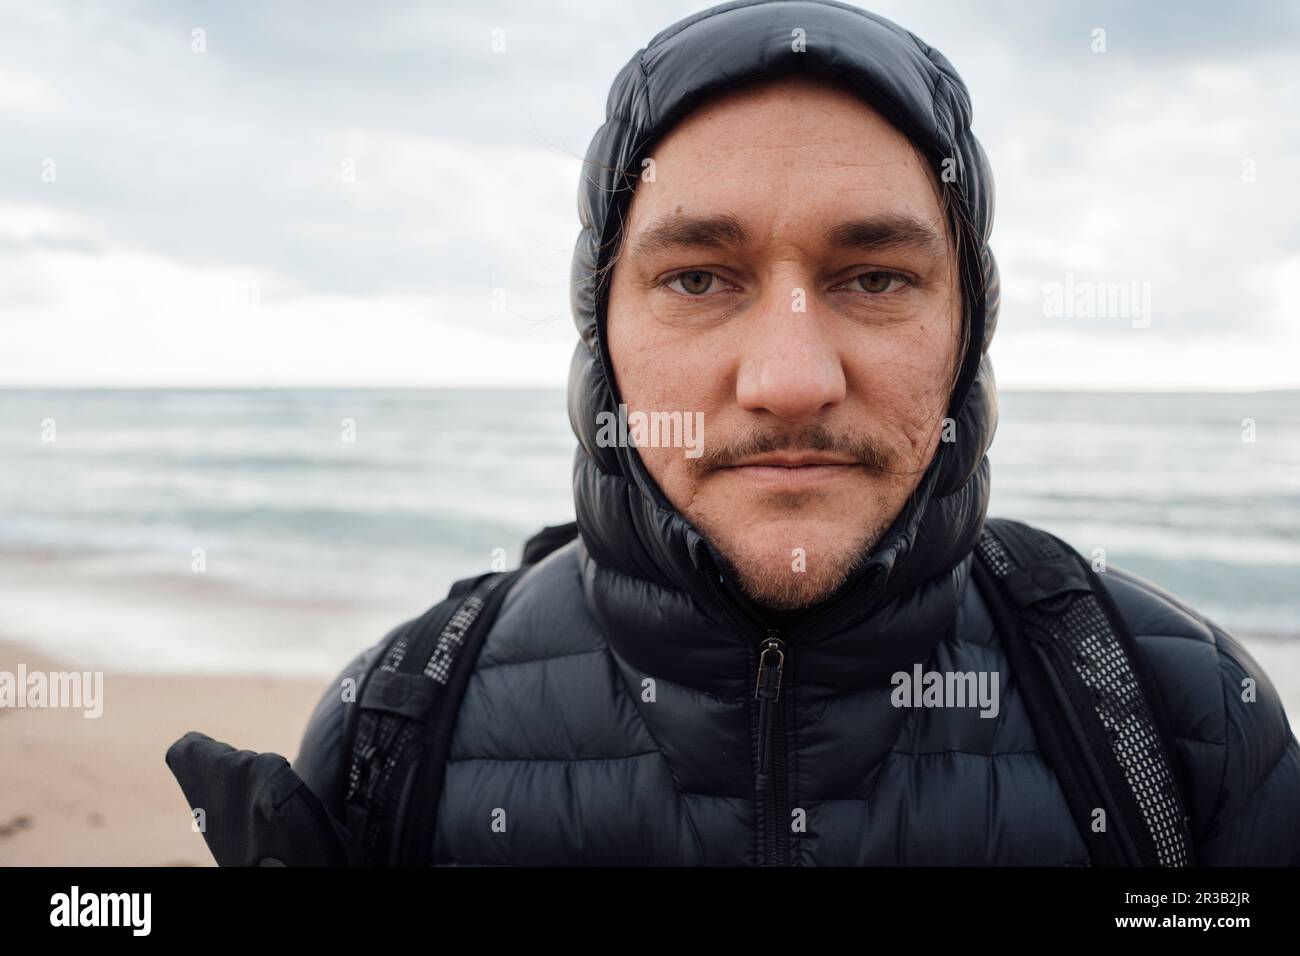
<point x="1125" y="164"/>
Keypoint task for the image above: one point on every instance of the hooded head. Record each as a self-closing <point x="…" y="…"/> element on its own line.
<point x="628" y="524"/>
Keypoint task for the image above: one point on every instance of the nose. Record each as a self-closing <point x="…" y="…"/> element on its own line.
<point x="789" y="366"/>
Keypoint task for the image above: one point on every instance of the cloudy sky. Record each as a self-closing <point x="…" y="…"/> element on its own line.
<point x="370" y="194"/>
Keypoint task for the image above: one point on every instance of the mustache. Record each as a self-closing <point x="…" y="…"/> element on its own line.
<point x="862" y="449"/>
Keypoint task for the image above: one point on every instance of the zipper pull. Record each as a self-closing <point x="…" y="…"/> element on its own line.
<point x="767" y="689"/>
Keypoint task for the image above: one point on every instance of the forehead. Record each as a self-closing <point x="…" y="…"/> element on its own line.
<point x="784" y="153"/>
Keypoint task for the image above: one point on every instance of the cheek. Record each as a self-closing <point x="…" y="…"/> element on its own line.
<point x="655" y="365"/>
<point x="667" y="469"/>
<point x="660" y="369"/>
<point x="907" y="394"/>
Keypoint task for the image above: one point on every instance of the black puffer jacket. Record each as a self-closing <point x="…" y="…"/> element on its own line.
<point x="612" y="713"/>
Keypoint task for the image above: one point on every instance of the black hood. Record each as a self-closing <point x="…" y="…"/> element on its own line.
<point x="628" y="527"/>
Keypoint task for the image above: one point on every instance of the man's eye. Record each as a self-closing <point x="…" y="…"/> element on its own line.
<point x="692" y="283"/>
<point x="878" y="282"/>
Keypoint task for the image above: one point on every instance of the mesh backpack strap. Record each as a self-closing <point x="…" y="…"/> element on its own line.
<point x="399" y="740"/>
<point x="1097" y="715"/>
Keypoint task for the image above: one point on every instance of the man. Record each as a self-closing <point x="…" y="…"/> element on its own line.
<point x="785" y="222"/>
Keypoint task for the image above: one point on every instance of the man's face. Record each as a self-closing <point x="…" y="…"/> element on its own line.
<point x="788" y="274"/>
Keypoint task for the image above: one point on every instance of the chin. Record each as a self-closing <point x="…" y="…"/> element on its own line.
<point x="789" y="564"/>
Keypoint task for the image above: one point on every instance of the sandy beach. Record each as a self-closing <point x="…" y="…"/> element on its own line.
<point x="96" y="791"/>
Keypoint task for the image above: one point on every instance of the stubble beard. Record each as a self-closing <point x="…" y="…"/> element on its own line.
<point x="768" y="573"/>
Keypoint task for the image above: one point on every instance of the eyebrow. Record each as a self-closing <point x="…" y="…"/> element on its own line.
<point x="872" y="233"/>
<point x="886" y="232"/>
<point x="675" y="232"/>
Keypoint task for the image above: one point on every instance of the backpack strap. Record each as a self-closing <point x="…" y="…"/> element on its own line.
<point x="400" y="739"/>
<point x="1096" y="713"/>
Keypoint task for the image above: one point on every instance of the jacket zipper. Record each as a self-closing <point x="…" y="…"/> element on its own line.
<point x="772" y="770"/>
<point x="771" y="746"/>
<point x="767" y="690"/>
